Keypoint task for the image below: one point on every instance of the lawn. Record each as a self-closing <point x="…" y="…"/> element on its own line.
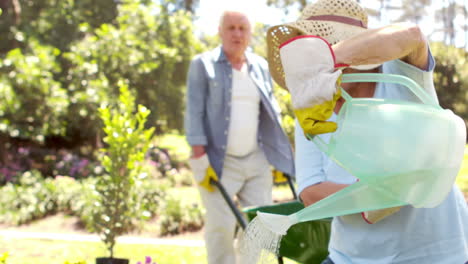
<point x="42" y="251"/>
<point x="36" y="251"/>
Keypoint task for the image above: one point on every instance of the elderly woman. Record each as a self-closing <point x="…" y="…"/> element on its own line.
<point x="307" y="57"/>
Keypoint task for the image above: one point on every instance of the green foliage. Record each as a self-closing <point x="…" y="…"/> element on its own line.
<point x="177" y="217"/>
<point x="287" y="114"/>
<point x="31" y="199"/>
<point x="26" y="251"/>
<point x="176" y="145"/>
<point x="285" y="5"/>
<point x="127" y="140"/>
<point x="451" y="78"/>
<point x="70" y="193"/>
<point x="4" y="256"/>
<point x="210" y="41"/>
<point x="53" y="22"/>
<point x="59" y="60"/>
<point x="33" y="103"/>
<point x="462" y="178"/>
<point x="258" y="41"/>
<point x="151" y="52"/>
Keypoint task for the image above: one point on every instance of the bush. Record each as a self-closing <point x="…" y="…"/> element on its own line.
<point x="49" y="162"/>
<point x="32" y="198"/>
<point x="176" y="217"/>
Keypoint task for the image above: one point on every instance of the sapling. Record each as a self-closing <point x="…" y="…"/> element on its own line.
<point x="127" y="140"/>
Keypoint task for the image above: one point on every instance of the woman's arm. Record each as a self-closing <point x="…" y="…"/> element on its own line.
<point x="374" y="46"/>
<point x="317" y="192"/>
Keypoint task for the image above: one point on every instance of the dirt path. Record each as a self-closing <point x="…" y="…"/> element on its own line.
<point x="64" y="224"/>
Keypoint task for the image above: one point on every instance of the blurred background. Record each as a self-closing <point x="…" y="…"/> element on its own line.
<point x="60" y="60"/>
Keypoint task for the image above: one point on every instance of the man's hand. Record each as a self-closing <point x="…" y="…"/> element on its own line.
<point x="206" y="182"/>
<point x="202" y="171"/>
<point x="198" y="151"/>
<point x="278" y="176"/>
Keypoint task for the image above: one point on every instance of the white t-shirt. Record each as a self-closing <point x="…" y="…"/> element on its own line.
<point x="245" y="109"/>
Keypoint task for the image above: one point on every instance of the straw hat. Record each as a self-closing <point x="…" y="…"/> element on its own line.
<point x="333" y="20"/>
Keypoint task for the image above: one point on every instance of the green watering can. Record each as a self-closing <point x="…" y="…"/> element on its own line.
<point x="403" y="153"/>
<point x="410" y="151"/>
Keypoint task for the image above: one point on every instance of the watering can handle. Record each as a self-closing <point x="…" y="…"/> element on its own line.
<point x="377" y="77"/>
<point x="318" y="142"/>
<point x="391" y="78"/>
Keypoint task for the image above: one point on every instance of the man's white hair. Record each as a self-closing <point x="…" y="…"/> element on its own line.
<point x="236" y="9"/>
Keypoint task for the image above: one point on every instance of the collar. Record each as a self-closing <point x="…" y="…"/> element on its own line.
<point x="221" y="56"/>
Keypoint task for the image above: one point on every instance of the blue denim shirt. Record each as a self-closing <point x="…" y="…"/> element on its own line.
<point x="208" y="109"/>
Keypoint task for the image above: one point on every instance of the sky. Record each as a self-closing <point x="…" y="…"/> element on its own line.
<point x="209" y="11"/>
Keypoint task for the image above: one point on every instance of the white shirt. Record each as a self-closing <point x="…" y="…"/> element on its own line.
<point x="245" y="109"/>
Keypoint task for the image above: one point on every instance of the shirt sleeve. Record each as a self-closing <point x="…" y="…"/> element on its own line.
<point x="423" y="78"/>
<point x="309" y="161"/>
<point x="197" y="86"/>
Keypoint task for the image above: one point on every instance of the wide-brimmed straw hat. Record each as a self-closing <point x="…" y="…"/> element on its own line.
<point x="333" y="20"/>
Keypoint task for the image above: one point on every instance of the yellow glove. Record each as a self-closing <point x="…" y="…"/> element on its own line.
<point x="313" y="79"/>
<point x="278" y="176"/>
<point x="203" y="172"/>
<point x="206" y="182"/>
<point x="313" y="120"/>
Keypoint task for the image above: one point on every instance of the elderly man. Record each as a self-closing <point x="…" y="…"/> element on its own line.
<point x="232" y="124"/>
<point x="307" y="57"/>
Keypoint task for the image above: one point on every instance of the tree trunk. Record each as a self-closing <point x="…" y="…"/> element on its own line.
<point x="12" y="7"/>
<point x="15" y="7"/>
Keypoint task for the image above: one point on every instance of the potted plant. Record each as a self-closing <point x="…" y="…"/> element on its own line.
<point x="127" y="140"/>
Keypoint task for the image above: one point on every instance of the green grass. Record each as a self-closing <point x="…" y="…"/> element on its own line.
<point x="40" y="251"/>
<point x="35" y="251"/>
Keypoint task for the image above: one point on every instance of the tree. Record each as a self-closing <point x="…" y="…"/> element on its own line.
<point x="448" y="15"/>
<point x="148" y="48"/>
<point x="53" y="22"/>
<point x="176" y="5"/>
<point x="70" y="55"/>
<point x="33" y="102"/>
<point x="413" y="10"/>
<point x="10" y="17"/>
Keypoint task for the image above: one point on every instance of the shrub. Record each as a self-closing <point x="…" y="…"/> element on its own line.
<point x="176" y="217"/>
<point x="32" y="198"/>
<point x="117" y="211"/>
